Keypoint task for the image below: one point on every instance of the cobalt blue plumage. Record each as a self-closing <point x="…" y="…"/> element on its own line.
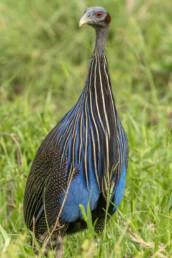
<point x="89" y="144"/>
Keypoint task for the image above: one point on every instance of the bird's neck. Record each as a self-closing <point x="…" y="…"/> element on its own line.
<point x="101" y="37"/>
<point x="98" y="92"/>
<point x="98" y="77"/>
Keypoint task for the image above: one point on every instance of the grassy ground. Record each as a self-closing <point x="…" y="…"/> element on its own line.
<point x="43" y="64"/>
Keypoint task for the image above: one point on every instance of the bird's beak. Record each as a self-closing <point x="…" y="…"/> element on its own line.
<point x="85" y="19"/>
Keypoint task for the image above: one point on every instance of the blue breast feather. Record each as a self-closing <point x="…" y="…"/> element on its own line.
<point x="79" y="193"/>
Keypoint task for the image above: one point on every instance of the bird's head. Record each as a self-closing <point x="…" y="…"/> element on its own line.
<point x="96" y="17"/>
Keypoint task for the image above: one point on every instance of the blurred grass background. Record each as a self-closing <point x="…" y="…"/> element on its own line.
<point x="44" y="59"/>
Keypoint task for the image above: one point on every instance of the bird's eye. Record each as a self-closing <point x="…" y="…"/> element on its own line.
<point x="99" y="14"/>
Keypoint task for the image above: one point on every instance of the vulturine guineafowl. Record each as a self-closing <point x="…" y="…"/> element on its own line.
<point x="87" y="149"/>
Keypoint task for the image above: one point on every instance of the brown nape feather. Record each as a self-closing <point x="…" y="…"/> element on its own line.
<point x="108" y="19"/>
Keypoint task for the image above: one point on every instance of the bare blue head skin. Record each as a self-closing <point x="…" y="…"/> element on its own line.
<point x="98" y="18"/>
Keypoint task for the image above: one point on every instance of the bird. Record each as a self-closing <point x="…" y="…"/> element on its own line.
<point x="83" y="156"/>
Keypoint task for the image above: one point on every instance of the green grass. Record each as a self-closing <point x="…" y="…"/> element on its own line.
<point x="43" y="66"/>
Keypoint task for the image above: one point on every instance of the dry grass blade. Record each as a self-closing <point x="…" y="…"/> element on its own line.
<point x="151" y="245"/>
<point x="19" y="156"/>
<point x="58" y="217"/>
<point x="33" y="233"/>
